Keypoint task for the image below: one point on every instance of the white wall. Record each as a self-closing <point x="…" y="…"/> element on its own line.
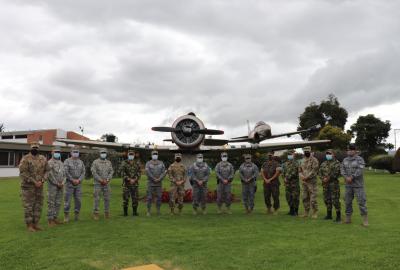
<point x="9" y="172"/>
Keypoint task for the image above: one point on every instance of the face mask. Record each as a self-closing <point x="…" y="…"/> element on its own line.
<point x="269" y="157"/>
<point x="248" y="160"/>
<point x="290" y="157"/>
<point x="34" y="151"/>
<point x="329" y="157"/>
<point x="103" y="155"/>
<point x="307" y="154"/>
<point x="154" y="157"/>
<point x="224" y="158"/>
<point x="75" y="154"/>
<point x="130" y="157"/>
<point x="199" y="160"/>
<point x="350" y="153"/>
<point x="57" y="155"/>
<point x="178" y="159"/>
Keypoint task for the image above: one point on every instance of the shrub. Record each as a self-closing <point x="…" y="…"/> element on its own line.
<point x="382" y="162"/>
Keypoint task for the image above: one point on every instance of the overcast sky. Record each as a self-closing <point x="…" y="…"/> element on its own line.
<point x="125" y="66"/>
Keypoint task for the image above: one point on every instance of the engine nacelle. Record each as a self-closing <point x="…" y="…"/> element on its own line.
<point x="188" y="138"/>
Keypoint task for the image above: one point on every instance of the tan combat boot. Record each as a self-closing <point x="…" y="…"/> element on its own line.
<point x="306" y="214"/>
<point x="57" y="222"/>
<point x="180" y="211"/>
<point x="268" y="211"/>
<point x="314" y="214"/>
<point x="276" y="211"/>
<point x="66" y="217"/>
<point x="172" y="211"/>
<point x="348" y="219"/>
<point x="30" y="227"/>
<point x="204" y="211"/>
<point x="228" y="210"/>
<point x="36" y="227"/>
<point x="148" y="213"/>
<point x="76" y="217"/>
<point x="219" y="210"/>
<point x="51" y="223"/>
<point x="96" y="216"/>
<point x="107" y="215"/>
<point x="194" y="211"/>
<point x="365" y="221"/>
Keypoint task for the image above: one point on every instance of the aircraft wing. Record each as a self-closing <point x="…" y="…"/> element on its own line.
<point x="310" y="129"/>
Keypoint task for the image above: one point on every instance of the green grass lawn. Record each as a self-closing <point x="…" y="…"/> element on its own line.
<point x="237" y="241"/>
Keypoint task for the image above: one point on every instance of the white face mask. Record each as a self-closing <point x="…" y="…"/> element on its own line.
<point x="290" y="157"/>
<point x="103" y="155"/>
<point x="224" y="158"/>
<point x="199" y="160"/>
<point x="131" y="157"/>
<point x="75" y="154"/>
<point x="154" y="157"/>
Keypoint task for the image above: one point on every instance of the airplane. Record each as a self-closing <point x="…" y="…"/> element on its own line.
<point x="188" y="136"/>
<point x="262" y="132"/>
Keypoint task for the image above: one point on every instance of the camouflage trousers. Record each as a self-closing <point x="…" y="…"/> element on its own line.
<point x="176" y="194"/>
<point x="292" y="190"/>
<point x="361" y="197"/>
<point x="154" y="192"/>
<point x="224" y="194"/>
<point x="248" y="195"/>
<point x="310" y="190"/>
<point x="99" y="191"/>
<point x="271" y="190"/>
<point x="130" y="192"/>
<point x="331" y="193"/>
<point x="76" y="193"/>
<point x="32" y="202"/>
<point x="54" y="198"/>
<point x="199" y="196"/>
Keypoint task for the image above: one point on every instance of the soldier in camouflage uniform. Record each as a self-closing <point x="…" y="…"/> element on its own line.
<point x="75" y="172"/>
<point x="352" y="171"/>
<point x="102" y="171"/>
<point x="329" y="173"/>
<point x="199" y="173"/>
<point x="177" y="176"/>
<point x="248" y="176"/>
<point x="270" y="171"/>
<point x="34" y="171"/>
<point x="130" y="173"/>
<point x="155" y="171"/>
<point x="308" y="171"/>
<point x="56" y="181"/>
<point x="290" y="173"/>
<point x="225" y="173"/>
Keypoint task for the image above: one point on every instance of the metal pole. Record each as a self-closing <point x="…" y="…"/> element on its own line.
<point x="395" y="138"/>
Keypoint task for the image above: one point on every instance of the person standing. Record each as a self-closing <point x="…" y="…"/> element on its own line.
<point x="290" y="172"/>
<point x="130" y="173"/>
<point x="270" y="171"/>
<point x="155" y="170"/>
<point x="224" y="172"/>
<point x="248" y="175"/>
<point x="308" y="171"/>
<point x="177" y="176"/>
<point x="199" y="173"/>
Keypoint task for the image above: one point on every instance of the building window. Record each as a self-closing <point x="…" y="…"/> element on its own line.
<point x="21" y="136"/>
<point x="7" y="158"/>
<point x="7" y="137"/>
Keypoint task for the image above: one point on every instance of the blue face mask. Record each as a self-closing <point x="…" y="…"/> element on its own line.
<point x="130" y="157"/>
<point x="103" y="155"/>
<point x="290" y="157"/>
<point x="57" y="155"/>
<point x="329" y="157"/>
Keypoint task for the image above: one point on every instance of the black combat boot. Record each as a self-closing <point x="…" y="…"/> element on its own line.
<point x="135" y="212"/>
<point x="125" y="211"/>
<point x="338" y="217"/>
<point x="290" y="213"/>
<point x="295" y="211"/>
<point x="328" y="214"/>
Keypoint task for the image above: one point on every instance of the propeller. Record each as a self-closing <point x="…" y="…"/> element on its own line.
<point x="199" y="131"/>
<point x="165" y="129"/>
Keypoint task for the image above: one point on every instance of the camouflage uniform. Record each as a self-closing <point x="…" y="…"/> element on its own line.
<point x="269" y="169"/>
<point x="33" y="169"/>
<point x="102" y="170"/>
<point x="291" y="174"/>
<point x="248" y="170"/>
<point x="199" y="171"/>
<point x="330" y="169"/>
<point x="130" y="169"/>
<point x="309" y="169"/>
<point x="155" y="169"/>
<point x="224" y="171"/>
<point x="74" y="170"/>
<point x="353" y="167"/>
<point x="56" y="181"/>
<point x="176" y="173"/>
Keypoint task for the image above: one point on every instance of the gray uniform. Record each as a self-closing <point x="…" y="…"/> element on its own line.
<point x="74" y="169"/>
<point x="102" y="170"/>
<point x="155" y="169"/>
<point x="353" y="167"/>
<point x="224" y="171"/>
<point x="199" y="171"/>
<point x="248" y="170"/>
<point x="54" y="192"/>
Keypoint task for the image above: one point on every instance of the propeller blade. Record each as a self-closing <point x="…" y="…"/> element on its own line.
<point x="209" y="131"/>
<point x="164" y="129"/>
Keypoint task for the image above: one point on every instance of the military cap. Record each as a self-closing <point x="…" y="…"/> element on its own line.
<point x="103" y="150"/>
<point x="270" y="152"/>
<point x="224" y="154"/>
<point x="247" y="156"/>
<point x="307" y="149"/>
<point x="199" y="155"/>
<point x="352" y="146"/>
<point x="75" y="148"/>
<point x="178" y="155"/>
<point x="131" y="152"/>
<point x="154" y="152"/>
<point x="34" y="145"/>
<point x="329" y="151"/>
<point x="56" y="149"/>
<point x="291" y="151"/>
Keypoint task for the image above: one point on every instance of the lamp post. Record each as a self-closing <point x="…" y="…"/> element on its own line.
<point x="395" y="138"/>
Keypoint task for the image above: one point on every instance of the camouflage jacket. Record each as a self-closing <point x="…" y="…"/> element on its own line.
<point x="309" y="169"/>
<point x="290" y="170"/>
<point x="330" y="169"/>
<point x="177" y="172"/>
<point x="224" y="171"/>
<point x="130" y="170"/>
<point x="74" y="169"/>
<point x="269" y="168"/>
<point x="56" y="174"/>
<point x="199" y="172"/>
<point x="353" y="167"/>
<point x="101" y="170"/>
<point x="33" y="169"/>
<point x="155" y="169"/>
<point x="248" y="170"/>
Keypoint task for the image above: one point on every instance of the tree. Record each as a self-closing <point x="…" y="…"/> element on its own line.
<point x="396" y="161"/>
<point x="371" y="134"/>
<point x="109" y="137"/>
<point x="327" y="112"/>
<point x="2" y="127"/>
<point x="339" y="138"/>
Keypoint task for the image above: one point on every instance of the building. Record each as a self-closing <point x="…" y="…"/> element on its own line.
<point x="14" y="145"/>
